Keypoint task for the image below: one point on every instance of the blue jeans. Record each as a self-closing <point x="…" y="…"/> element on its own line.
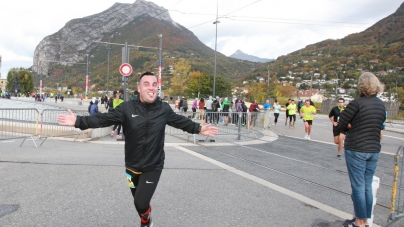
<point x="361" y="168"/>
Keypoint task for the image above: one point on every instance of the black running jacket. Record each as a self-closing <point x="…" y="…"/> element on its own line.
<point x="144" y="129"/>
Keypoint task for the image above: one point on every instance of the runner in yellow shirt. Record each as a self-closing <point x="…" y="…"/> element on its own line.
<point x="292" y="113"/>
<point x="306" y="112"/>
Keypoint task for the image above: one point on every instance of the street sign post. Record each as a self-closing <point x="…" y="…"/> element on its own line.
<point x="125" y="69"/>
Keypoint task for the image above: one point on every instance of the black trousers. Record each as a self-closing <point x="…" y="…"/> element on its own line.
<point x="142" y="185"/>
<point x="276" y="117"/>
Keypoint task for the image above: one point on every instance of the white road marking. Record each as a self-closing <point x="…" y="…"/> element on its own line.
<point x="321" y="206"/>
<point x="393" y="137"/>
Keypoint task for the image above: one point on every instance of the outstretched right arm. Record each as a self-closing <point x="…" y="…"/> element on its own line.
<point x="94" y="121"/>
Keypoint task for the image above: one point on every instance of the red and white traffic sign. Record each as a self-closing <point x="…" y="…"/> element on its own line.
<point x="125" y="69"/>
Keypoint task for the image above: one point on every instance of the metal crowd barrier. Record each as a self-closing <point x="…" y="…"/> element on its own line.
<point x="229" y="123"/>
<point x="18" y="123"/>
<point x="26" y="123"/>
<point x="397" y="203"/>
<point x="395" y="117"/>
<point x="49" y="126"/>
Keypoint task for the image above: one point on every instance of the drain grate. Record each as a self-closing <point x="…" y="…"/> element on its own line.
<point x="7" y="209"/>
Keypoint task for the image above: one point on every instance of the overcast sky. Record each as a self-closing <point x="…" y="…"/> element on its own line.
<point x="263" y="28"/>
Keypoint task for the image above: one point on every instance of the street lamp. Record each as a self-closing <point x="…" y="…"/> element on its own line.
<point x="214" y="71"/>
<point x="336" y="87"/>
<point x="108" y="49"/>
<point x="311" y="83"/>
<point x="268" y="80"/>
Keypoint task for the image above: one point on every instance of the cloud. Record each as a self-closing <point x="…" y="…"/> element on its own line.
<point x="265" y="29"/>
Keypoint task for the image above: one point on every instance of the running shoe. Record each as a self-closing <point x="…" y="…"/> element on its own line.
<point x="306" y="136"/>
<point x="339" y="157"/>
<point x="112" y="133"/>
<point x="118" y="137"/>
<point x="348" y="221"/>
<point x="354" y="225"/>
<point x="150" y="224"/>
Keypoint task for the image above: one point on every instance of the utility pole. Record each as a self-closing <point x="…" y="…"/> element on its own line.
<point x="268" y="80"/>
<point x="214" y="71"/>
<point x="125" y="59"/>
<point x="108" y="49"/>
<point x="336" y="88"/>
<point x="160" y="67"/>
<point x="311" y="83"/>
<point x="87" y="80"/>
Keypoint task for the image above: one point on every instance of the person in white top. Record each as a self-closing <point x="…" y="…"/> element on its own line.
<point x="209" y="110"/>
<point x="276" y="108"/>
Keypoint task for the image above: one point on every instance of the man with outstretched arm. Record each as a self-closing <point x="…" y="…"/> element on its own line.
<point x="144" y="122"/>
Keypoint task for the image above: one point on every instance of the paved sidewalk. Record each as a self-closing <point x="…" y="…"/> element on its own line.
<point x="83" y="184"/>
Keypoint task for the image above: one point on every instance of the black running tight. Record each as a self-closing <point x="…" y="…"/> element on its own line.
<point x="142" y="186"/>
<point x="276" y="117"/>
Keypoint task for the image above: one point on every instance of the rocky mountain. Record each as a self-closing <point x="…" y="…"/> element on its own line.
<point x="139" y="24"/>
<point x="243" y="56"/>
<point x="79" y="36"/>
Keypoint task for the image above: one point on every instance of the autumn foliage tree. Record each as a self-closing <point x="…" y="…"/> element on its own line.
<point x="181" y="77"/>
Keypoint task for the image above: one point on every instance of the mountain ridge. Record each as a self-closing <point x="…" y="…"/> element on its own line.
<point x="243" y="56"/>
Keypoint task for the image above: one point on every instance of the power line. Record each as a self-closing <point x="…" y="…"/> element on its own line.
<point x="268" y="18"/>
<point x="275" y="22"/>
<point x="225" y="14"/>
<point x="243" y="7"/>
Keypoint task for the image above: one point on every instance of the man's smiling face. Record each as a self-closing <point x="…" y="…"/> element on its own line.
<point x="147" y="88"/>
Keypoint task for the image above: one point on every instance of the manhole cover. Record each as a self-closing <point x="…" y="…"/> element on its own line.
<point x="7" y="209"/>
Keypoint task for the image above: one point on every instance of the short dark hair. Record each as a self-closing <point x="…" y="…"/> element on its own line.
<point x="341" y="99"/>
<point x="147" y="73"/>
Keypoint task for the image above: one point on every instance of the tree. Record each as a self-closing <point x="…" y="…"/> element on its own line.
<point x="199" y="84"/>
<point x="19" y="80"/>
<point x="180" y="79"/>
<point x="223" y="86"/>
<point x="257" y="91"/>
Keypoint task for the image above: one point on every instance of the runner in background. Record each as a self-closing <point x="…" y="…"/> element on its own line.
<point x="306" y="112"/>
<point x="277" y="109"/>
<point x="267" y="108"/>
<point x="287" y="111"/>
<point x="334" y="118"/>
<point x="292" y="113"/>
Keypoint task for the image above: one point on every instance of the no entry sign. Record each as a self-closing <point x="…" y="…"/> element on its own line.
<point x="125" y="69"/>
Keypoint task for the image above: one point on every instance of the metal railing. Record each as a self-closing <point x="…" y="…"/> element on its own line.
<point x="28" y="123"/>
<point x="397" y="203"/>
<point x="395" y="117"/>
<point x="18" y="123"/>
<point x="239" y="124"/>
<point x="49" y="127"/>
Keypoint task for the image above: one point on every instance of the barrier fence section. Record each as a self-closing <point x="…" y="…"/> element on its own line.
<point x="18" y="123"/>
<point x="49" y="126"/>
<point x="397" y="203"/>
<point x="395" y="117"/>
<point x="229" y="123"/>
<point x="28" y="122"/>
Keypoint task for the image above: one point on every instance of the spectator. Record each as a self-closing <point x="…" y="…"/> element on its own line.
<point x="360" y="124"/>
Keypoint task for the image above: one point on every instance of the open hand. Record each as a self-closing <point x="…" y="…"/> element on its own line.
<point x="67" y="119"/>
<point x="209" y="130"/>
